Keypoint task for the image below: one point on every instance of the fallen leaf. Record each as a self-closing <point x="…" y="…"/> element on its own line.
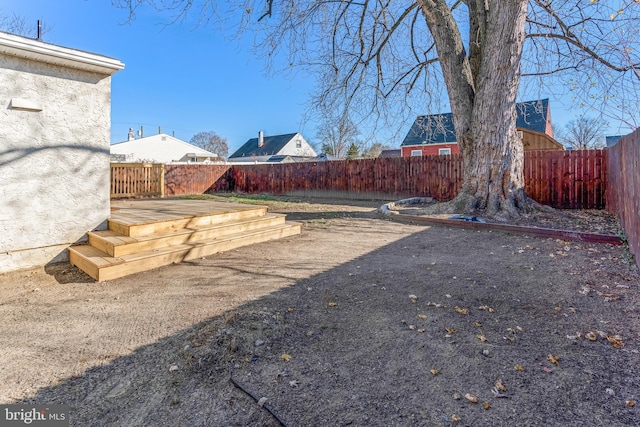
<point x="520" y="367"/>
<point x="262" y="401"/>
<point x="482" y="338"/>
<point x="291" y="309"/>
<point x="332" y="304"/>
<point x="591" y="336"/>
<point x="435" y="371"/>
<point x="450" y="331"/>
<point x="520" y="328"/>
<point x="557" y="308"/>
<point x="412" y="327"/>
<point x="173" y="368"/>
<point x="294" y="384"/>
<point x="413" y="298"/>
<point x="461" y="310"/>
<point x="486" y="308"/>
<point x="471" y="397"/>
<point x="455" y="418"/>
<point x="501" y="386"/>
<point x="611" y="297"/>
<point x="630" y="403"/>
<point x="422" y="316"/>
<point x="547" y="370"/>
<point x="286" y="357"/>
<point x="553" y="359"/>
<point x="486" y="405"/>
<point x="478" y="324"/>
<point x="422" y="330"/>
<point x="615" y="340"/>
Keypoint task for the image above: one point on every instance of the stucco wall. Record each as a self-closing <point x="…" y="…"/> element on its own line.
<point x="54" y="163"/>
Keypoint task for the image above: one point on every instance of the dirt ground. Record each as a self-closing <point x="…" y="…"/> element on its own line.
<point x="357" y="321"/>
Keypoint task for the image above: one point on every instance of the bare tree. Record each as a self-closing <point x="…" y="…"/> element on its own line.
<point x="336" y="135"/>
<point x="212" y="142"/>
<point x="583" y="133"/>
<point x="376" y="57"/>
<point x="19" y="25"/>
<point x="373" y="151"/>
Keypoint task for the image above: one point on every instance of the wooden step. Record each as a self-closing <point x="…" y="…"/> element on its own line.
<point x="101" y="266"/>
<point x="134" y="227"/>
<point x="115" y="244"/>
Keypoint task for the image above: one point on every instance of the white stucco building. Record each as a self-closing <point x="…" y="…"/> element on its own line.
<point x="161" y="148"/>
<point x="55" y="119"/>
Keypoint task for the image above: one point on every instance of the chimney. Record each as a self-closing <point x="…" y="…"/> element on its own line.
<point x="260" y="139"/>
<point x="131" y="134"/>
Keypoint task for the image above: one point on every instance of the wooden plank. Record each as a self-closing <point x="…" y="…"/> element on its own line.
<point x="115" y="246"/>
<point x="513" y="229"/>
<point x="102" y="267"/>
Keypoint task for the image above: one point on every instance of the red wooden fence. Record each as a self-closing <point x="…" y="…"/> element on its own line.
<point x="623" y="190"/>
<point x="563" y="179"/>
<point x="183" y="179"/>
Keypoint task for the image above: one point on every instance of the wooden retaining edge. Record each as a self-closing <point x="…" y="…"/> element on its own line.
<point x="507" y="228"/>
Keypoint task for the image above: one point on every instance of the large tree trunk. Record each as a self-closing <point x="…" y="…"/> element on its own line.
<point x="482" y="89"/>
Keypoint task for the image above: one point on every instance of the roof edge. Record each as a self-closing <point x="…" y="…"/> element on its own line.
<point x="23" y="47"/>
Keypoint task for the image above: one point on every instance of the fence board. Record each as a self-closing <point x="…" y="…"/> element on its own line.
<point x="137" y="180"/>
<point x="623" y="189"/>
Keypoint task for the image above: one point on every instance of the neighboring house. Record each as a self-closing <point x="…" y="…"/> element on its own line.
<point x="612" y="140"/>
<point x="390" y="153"/>
<point x="435" y="134"/>
<point x="54" y="153"/>
<point x="287" y="148"/>
<point x="161" y="148"/>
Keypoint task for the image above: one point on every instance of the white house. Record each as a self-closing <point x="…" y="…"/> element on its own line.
<point x="161" y="148"/>
<point x="290" y="147"/>
<point x="54" y="148"/>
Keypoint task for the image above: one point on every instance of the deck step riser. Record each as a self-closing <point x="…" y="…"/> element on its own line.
<point x="183" y="236"/>
<point x="181" y="253"/>
<point x="182" y="223"/>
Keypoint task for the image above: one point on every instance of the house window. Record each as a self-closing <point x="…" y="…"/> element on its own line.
<point x="444" y="151"/>
<point x="416" y="153"/>
<point x="298" y="143"/>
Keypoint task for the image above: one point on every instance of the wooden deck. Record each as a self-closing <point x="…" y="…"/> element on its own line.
<point x="145" y="234"/>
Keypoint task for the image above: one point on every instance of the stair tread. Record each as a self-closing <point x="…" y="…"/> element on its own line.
<point x="118" y="239"/>
<point x="102" y="259"/>
<point x="145" y="212"/>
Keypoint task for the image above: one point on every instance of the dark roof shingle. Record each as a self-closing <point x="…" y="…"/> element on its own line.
<point x="272" y="146"/>
<point x="438" y="128"/>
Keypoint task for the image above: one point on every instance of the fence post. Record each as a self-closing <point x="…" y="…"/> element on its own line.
<point x="162" y="191"/>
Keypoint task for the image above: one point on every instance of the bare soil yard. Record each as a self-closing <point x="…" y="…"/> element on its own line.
<point x="357" y="321"/>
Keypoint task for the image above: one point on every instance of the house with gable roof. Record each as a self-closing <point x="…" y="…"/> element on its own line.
<point x="435" y="134"/>
<point x="160" y="148"/>
<point x="287" y="148"/>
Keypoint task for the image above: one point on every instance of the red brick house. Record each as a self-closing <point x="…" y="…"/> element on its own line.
<point x="432" y="135"/>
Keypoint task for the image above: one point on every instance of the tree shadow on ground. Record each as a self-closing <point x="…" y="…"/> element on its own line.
<point x="397" y="336"/>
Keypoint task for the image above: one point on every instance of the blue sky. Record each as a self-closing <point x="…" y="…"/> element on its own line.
<point x="184" y="78"/>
